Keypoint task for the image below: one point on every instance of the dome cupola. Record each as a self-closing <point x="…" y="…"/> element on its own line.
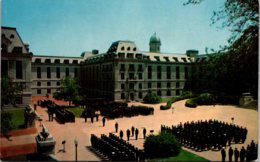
<point x="155" y="43"/>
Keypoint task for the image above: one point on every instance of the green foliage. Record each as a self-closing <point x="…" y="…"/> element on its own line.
<point x="152" y="98"/>
<point x="191" y="103"/>
<point x="69" y="90"/>
<point x="202" y="99"/>
<point x="77" y="111"/>
<point x="182" y="156"/>
<point x="161" y="145"/>
<point x="6" y="122"/>
<point x="184" y="95"/>
<point x="205" y="99"/>
<point x="233" y="69"/>
<point x="9" y="90"/>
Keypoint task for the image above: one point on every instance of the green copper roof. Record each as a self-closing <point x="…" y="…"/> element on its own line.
<point x="155" y="39"/>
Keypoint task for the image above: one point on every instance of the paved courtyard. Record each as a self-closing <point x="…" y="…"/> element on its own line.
<point x="82" y="131"/>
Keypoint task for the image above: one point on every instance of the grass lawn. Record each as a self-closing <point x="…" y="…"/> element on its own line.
<point x="166" y="99"/>
<point x="183" y="156"/>
<point x="77" y="111"/>
<point x="17" y="118"/>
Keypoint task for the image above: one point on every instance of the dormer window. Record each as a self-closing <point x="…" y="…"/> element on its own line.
<point x="122" y="48"/>
<point x="57" y="61"/>
<point x="37" y="60"/>
<point x="3" y="35"/>
<point x="175" y="59"/>
<point x="157" y="58"/>
<point x="48" y="61"/>
<point x="184" y="59"/>
<point x="12" y="36"/>
<point x="66" y="61"/>
<point x="167" y="59"/>
<point x="75" y="62"/>
<point x="128" y="48"/>
<point x="134" y="49"/>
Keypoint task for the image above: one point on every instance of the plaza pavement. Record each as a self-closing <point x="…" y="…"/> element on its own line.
<point x="82" y="131"/>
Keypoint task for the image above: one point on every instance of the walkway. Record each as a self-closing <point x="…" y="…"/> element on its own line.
<point x="82" y="131"/>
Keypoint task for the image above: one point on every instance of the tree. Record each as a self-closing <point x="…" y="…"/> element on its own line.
<point x="234" y="68"/>
<point x="9" y="90"/>
<point x="161" y="145"/>
<point x="69" y="90"/>
<point x="6" y="123"/>
<point x="152" y="98"/>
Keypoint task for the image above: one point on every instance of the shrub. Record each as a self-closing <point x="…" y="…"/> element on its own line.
<point x="191" y="103"/>
<point x="161" y="145"/>
<point x="184" y="95"/>
<point x="6" y="123"/>
<point x="152" y="98"/>
<point x="205" y="99"/>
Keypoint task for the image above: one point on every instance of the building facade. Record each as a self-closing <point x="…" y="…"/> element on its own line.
<point x="122" y="73"/>
<point x="125" y="73"/>
<point x="16" y="63"/>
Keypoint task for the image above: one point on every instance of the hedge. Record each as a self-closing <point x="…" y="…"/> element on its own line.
<point x="161" y="145"/>
<point x="175" y="99"/>
<point x="152" y="98"/>
<point x="191" y="103"/>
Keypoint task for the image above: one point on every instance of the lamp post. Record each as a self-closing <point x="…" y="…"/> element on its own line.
<point x="76" y="145"/>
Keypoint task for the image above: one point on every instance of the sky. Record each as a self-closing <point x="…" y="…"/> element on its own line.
<point x="70" y="27"/>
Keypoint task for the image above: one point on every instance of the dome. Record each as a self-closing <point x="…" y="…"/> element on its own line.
<point x="155" y="39"/>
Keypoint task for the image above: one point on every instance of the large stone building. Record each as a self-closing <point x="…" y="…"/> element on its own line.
<point x="122" y="73"/>
<point x="126" y="73"/>
<point x="16" y="62"/>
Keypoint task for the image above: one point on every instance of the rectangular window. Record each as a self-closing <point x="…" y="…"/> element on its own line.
<point x="149" y="69"/>
<point x="149" y="75"/>
<point x="48" y="83"/>
<point x="19" y="70"/>
<point x="48" y="91"/>
<point x="168" y="72"/>
<point x="131" y="67"/>
<point x="168" y="85"/>
<point x="122" y="86"/>
<point x="131" y="86"/>
<point x="140" y="76"/>
<point x="177" y="92"/>
<point x="168" y="93"/>
<point x="122" y="67"/>
<point x="140" y="85"/>
<point x="177" y="72"/>
<point x="4" y="67"/>
<point x="158" y="85"/>
<point x="131" y="76"/>
<point x="122" y="75"/>
<point x="58" y="83"/>
<point x="177" y="84"/>
<point x="39" y="74"/>
<point x="149" y="85"/>
<point x="67" y="72"/>
<point x="48" y="72"/>
<point x="76" y="72"/>
<point x="122" y="96"/>
<point x="159" y="72"/>
<point x="57" y="72"/>
<point x="140" y="95"/>
<point x="140" y="67"/>
<point x="186" y="72"/>
<point x="39" y="91"/>
<point x="38" y="83"/>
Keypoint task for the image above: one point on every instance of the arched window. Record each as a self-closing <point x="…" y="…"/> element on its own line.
<point x="128" y="48"/>
<point x="12" y="36"/>
<point x="122" y="48"/>
<point x="4" y="47"/>
<point x="134" y="49"/>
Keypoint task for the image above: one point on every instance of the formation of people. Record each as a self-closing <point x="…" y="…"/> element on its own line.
<point x="116" y="149"/>
<point x="208" y="134"/>
<point x="248" y="154"/>
<point x="133" y="132"/>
